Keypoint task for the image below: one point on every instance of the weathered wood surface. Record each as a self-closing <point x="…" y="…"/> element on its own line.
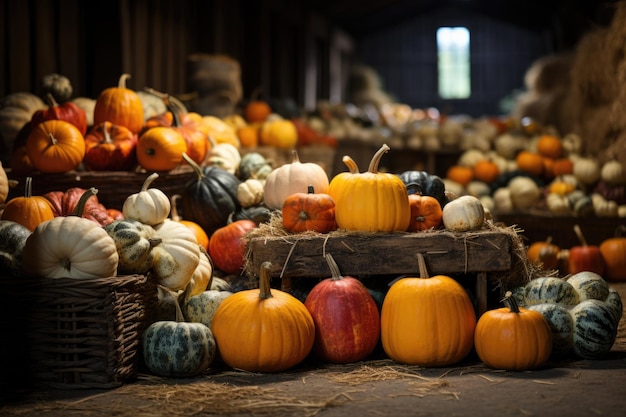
<point x="381" y="253"/>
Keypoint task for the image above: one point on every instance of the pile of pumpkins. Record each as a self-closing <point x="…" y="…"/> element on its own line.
<point x="125" y="130"/>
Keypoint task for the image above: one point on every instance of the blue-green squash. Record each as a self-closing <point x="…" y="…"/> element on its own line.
<point x="589" y="285"/>
<point x="550" y="290"/>
<point x="561" y="324"/>
<point x="595" y="329"/>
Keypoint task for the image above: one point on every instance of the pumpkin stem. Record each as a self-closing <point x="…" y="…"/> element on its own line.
<point x="264" y="281"/>
<point x="548" y="240"/>
<point x="579" y="234"/>
<point x="80" y="206"/>
<point x="52" y="138"/>
<point x="295" y="157"/>
<point x="422" y="266"/>
<point x="122" y="82"/>
<point x="334" y="268"/>
<point x="28" y="187"/>
<point x="180" y="317"/>
<point x="510" y="302"/>
<point x="174" y="211"/>
<point x="154" y="241"/>
<point x="310" y="189"/>
<point x="194" y="165"/>
<point x="149" y="180"/>
<point x="377" y="157"/>
<point x="106" y="133"/>
<point x="352" y="166"/>
<point x="50" y="101"/>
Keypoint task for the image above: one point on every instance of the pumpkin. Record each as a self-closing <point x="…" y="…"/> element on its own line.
<point x="196" y="229"/>
<point x="177" y="255"/>
<point x="152" y="105"/>
<point x="120" y="106"/>
<point x="134" y="242"/>
<point x="587" y="170"/>
<point x="88" y="104"/>
<point x="549" y="290"/>
<point x="550" y="146"/>
<point x="614" y="302"/>
<point x="595" y="329"/>
<point x="201" y="307"/>
<point x="258" y="214"/>
<point x="263" y="330"/>
<point x="57" y="85"/>
<point x="13" y="237"/>
<point x="613" y="172"/>
<point x="525" y="192"/>
<point x="589" y="285"/>
<point x="220" y="131"/>
<point x="486" y="170"/>
<point x="248" y="135"/>
<point x="309" y="211"/>
<point x="64" y="204"/>
<point x="183" y="122"/>
<point x="291" y="178"/>
<point x="227" y="248"/>
<point x="202" y="275"/>
<point x="460" y="174"/>
<point x="513" y="338"/>
<point x="210" y="197"/>
<point x="110" y="147"/>
<point x="149" y="206"/>
<point x="585" y="257"/>
<point x="429" y="184"/>
<point x="544" y="253"/>
<point x="225" y="156"/>
<point x="253" y="165"/>
<point x="71" y="247"/>
<point x="250" y="192"/>
<point x="16" y="110"/>
<point x="561" y="325"/>
<point x="175" y="348"/>
<point x="4" y="184"/>
<point x="530" y="162"/>
<point x="563" y="166"/>
<point x="55" y="146"/>
<point x="160" y="149"/>
<point x="28" y="210"/>
<point x="346" y="317"/>
<point x="371" y="201"/>
<point x="613" y="252"/>
<point x="67" y="111"/>
<point x="279" y="133"/>
<point x="426" y="213"/>
<point x="427" y="321"/>
<point x="257" y="111"/>
<point x="463" y="214"/>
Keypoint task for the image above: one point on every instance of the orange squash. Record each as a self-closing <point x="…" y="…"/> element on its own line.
<point x="460" y="174"/>
<point x="29" y="210"/>
<point x="486" y="171"/>
<point x="309" y="211"/>
<point x="256" y="111"/>
<point x="55" y="146"/>
<point x="426" y="213"/>
<point x="120" y="106"/>
<point x="530" y="162"/>
<point x="196" y="229"/>
<point x="550" y="146"/>
<point x="160" y="149"/>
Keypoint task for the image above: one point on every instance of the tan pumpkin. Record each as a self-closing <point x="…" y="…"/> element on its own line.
<point x="71" y="247"/>
<point x="250" y="192"/>
<point x="149" y="206"/>
<point x="291" y="178"/>
<point x="176" y="257"/>
<point x="202" y="275"/>
<point x="16" y="110"/>
<point x="225" y="156"/>
<point x="463" y="214"/>
<point x="4" y="184"/>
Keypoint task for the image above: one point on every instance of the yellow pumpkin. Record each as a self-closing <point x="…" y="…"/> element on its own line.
<point x="279" y="133"/>
<point x="291" y="178"/>
<point x="427" y="321"/>
<point x="220" y="131"/>
<point x="263" y="330"/>
<point x="371" y="201"/>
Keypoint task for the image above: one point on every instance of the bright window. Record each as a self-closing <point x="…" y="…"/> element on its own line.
<point x="453" y="62"/>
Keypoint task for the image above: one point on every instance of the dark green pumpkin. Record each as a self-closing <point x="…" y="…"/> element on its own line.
<point x="253" y="165"/>
<point x="428" y="184"/>
<point x="210" y="198"/>
<point x="12" y="239"/>
<point x="258" y="214"/>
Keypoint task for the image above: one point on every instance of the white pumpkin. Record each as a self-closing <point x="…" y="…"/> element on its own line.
<point x="250" y="192"/>
<point x="613" y="173"/>
<point x="524" y="192"/>
<point x="149" y="206"/>
<point x="586" y="170"/>
<point x="502" y="200"/>
<point x="463" y="214"/>
<point x="177" y="256"/>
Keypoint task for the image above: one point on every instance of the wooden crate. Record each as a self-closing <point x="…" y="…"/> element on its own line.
<point x="358" y="254"/>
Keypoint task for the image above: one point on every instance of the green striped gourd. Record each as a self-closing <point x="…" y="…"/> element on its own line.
<point x="595" y="329"/>
<point x="550" y="290"/>
<point x="561" y="324"/>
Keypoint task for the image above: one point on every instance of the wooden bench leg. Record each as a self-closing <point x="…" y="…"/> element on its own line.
<point x="481" y="293"/>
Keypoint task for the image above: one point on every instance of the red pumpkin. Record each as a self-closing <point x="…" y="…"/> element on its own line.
<point x="226" y="246"/>
<point x="585" y="257"/>
<point x="67" y="111"/>
<point x="64" y="204"/>
<point x="110" y="147"/>
<point x="346" y="317"/>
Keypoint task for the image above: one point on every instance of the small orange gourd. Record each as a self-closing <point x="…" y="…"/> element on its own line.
<point x="28" y="210"/>
<point x="550" y="146"/>
<point x="513" y="338"/>
<point x="55" y="146"/>
<point x="264" y="329"/>
<point x="309" y="211"/>
<point x="530" y="162"/>
<point x="426" y="213"/>
<point x="486" y="170"/>
<point x="160" y="149"/>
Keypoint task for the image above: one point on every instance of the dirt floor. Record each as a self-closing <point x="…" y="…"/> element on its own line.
<point x="372" y="388"/>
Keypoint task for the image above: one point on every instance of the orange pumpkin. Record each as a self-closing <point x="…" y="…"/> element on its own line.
<point x="545" y="253"/>
<point x="426" y="213"/>
<point x="256" y="111"/>
<point x="309" y="212"/>
<point x="563" y="166"/>
<point x="486" y="171"/>
<point x="613" y="251"/>
<point x="196" y="229"/>
<point x="460" y="174"/>
<point x="55" y="146"/>
<point x="160" y="149"/>
<point x="530" y="162"/>
<point x="29" y="211"/>
<point x="550" y="146"/>
<point x="248" y="136"/>
<point x="121" y="106"/>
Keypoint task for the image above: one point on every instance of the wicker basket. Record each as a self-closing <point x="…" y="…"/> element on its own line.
<point x="79" y="333"/>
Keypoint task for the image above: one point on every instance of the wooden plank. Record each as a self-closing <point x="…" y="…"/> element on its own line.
<point x="381" y="253"/>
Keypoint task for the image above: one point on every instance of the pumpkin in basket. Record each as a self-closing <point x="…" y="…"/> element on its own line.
<point x="134" y="242"/>
<point x="160" y="149"/>
<point x="55" y="146"/>
<point x="291" y="178"/>
<point x="210" y="198"/>
<point x="110" y="147"/>
<point x="149" y="206"/>
<point x="264" y="329"/>
<point x="371" y="201"/>
<point x="12" y="240"/>
<point x="71" y="247"/>
<point x="64" y="203"/>
<point x="427" y="321"/>
<point x="4" y="184"/>
<point x="28" y="210"/>
<point x="202" y="276"/>
<point x="119" y="105"/>
<point x="513" y="338"/>
<point x="67" y="111"/>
